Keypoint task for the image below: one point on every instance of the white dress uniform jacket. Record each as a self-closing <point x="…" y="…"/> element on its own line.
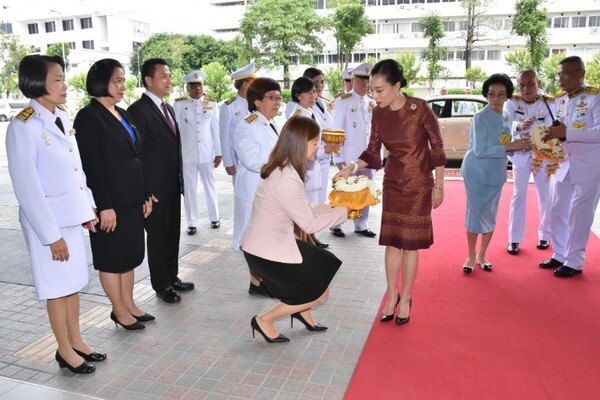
<point x="54" y="200"/>
<point x="254" y="139"/>
<point x="577" y="188"/>
<point x="520" y="110"/>
<point x="325" y="120"/>
<point x="200" y="144"/>
<point x="232" y="112"/>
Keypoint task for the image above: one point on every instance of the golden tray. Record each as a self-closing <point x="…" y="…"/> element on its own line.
<point x="333" y="136"/>
<point x="354" y="200"/>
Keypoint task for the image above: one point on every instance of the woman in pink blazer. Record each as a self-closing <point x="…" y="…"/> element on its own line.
<point x="296" y="272"/>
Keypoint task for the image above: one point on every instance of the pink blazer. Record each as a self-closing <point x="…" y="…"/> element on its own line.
<point x="280" y="202"/>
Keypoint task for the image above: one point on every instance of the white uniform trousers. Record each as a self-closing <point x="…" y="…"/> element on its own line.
<point x="206" y="171"/>
<point x="572" y="213"/>
<point x="360" y="224"/>
<point x="242" y="211"/>
<point x="325" y="181"/>
<point x="518" y="204"/>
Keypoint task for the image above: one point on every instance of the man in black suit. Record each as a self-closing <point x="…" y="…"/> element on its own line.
<point x="161" y="159"/>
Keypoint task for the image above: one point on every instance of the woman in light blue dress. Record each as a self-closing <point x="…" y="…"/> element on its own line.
<point x="484" y="167"/>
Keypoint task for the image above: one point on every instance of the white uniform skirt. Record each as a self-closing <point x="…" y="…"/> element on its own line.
<point x="54" y="279"/>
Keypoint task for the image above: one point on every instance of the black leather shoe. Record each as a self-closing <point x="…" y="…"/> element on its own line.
<point x="260" y="290"/>
<point x="255" y="326"/>
<point x="215" y="224"/>
<point x="84" y="368"/>
<point x="543" y="244"/>
<point x="137" y="325"/>
<point x="182" y="286"/>
<point x="144" y="318"/>
<point x="550" y="263"/>
<point x="564" y="272"/>
<point x="322" y="245"/>
<point x="366" y="232"/>
<point x="513" y="248"/>
<point x="338" y="232"/>
<point x="191" y="230"/>
<point x="168" y="295"/>
<point x="312" y="328"/>
<point x="92" y="356"/>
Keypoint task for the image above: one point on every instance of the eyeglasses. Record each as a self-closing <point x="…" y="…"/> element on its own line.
<point x="347" y="80"/>
<point x="118" y="81"/>
<point x="496" y="95"/>
<point x="567" y="73"/>
<point x="274" y="98"/>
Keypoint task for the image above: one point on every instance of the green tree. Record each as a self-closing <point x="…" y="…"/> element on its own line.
<point x="592" y="71"/>
<point x="77" y="82"/>
<point x="475" y="23"/>
<point x="168" y="46"/>
<point x="433" y="30"/>
<point x="529" y="21"/>
<point x="474" y="76"/>
<point x="130" y="85"/>
<point x="204" y="49"/>
<point x="217" y="80"/>
<point x="410" y="67"/>
<point x="280" y="30"/>
<point x="548" y="73"/>
<point x="61" y="50"/>
<point x="350" y="26"/>
<point x="518" y="60"/>
<point x="333" y="77"/>
<point x="12" y="52"/>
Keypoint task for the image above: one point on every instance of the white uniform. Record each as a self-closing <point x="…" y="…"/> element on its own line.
<point x="231" y="113"/>
<point x="520" y="110"/>
<point x="254" y="139"/>
<point x="577" y="187"/>
<point x="325" y="120"/>
<point x="53" y="196"/>
<point x="353" y="114"/>
<point x="200" y="144"/>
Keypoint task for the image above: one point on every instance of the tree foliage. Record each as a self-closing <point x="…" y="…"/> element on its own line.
<point x="281" y="29"/>
<point x="61" y="50"/>
<point x="77" y="82"/>
<point x="350" y="26"/>
<point x="333" y="77"/>
<point x="11" y="52"/>
<point x="217" y="80"/>
<point x="592" y="71"/>
<point x="475" y="25"/>
<point x="548" y="73"/>
<point x="474" y="76"/>
<point x="410" y="67"/>
<point x="529" y="21"/>
<point x="433" y="30"/>
<point x="518" y="60"/>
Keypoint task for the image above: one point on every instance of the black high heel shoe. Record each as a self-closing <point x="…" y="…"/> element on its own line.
<point x="92" y="356"/>
<point x="278" y="339"/>
<point x="312" y="328"/>
<point x="385" y="317"/>
<point x="402" y="321"/>
<point x="144" y="318"/>
<point x="84" y="368"/>
<point x="131" y="327"/>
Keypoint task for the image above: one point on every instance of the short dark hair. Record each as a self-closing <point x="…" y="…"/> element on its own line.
<point x="391" y="70"/>
<point x="33" y="71"/>
<point x="502" y="79"/>
<point x="149" y="68"/>
<point x="311" y="72"/>
<point x="99" y="76"/>
<point x="301" y="85"/>
<point x="238" y="84"/>
<point x="257" y="90"/>
<point x="573" y="60"/>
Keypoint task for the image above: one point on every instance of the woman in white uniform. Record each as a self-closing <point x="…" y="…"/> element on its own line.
<point x="254" y="138"/>
<point x="54" y="203"/>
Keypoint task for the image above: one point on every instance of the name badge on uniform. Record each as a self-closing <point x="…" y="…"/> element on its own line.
<point x="504" y="138"/>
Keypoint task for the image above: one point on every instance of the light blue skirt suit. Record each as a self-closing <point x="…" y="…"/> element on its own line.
<point x="484" y="169"/>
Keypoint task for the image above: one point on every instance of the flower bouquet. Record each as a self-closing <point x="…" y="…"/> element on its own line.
<point x="550" y="150"/>
<point x="355" y="192"/>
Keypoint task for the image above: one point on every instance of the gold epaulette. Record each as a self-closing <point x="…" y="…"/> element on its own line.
<point x="181" y="98"/>
<point x="560" y="94"/>
<point x="516" y="97"/>
<point x="251" y="118"/>
<point x="209" y="99"/>
<point x="297" y="112"/>
<point x="230" y="100"/>
<point x="549" y="99"/>
<point x="591" y="89"/>
<point x="61" y="107"/>
<point x="26" y="114"/>
<point x="345" y="95"/>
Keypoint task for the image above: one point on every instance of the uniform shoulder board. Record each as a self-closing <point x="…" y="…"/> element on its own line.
<point x="26" y="114"/>
<point x="591" y="89"/>
<point x="345" y="95"/>
<point x="230" y="100"/>
<point x="61" y="107"/>
<point x="211" y="99"/>
<point x="516" y="97"/>
<point x="548" y="99"/>
<point x="560" y="94"/>
<point x="297" y="112"/>
<point x="251" y="118"/>
<point x="181" y="98"/>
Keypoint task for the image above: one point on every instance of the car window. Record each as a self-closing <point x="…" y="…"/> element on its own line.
<point x="465" y="108"/>
<point x="437" y="107"/>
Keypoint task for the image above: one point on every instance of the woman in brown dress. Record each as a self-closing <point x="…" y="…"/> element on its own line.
<point x="407" y="127"/>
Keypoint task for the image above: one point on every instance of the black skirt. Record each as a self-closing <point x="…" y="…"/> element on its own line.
<point x="295" y="284"/>
<point x="123" y="249"/>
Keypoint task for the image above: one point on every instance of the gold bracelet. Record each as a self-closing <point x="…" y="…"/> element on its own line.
<point x="438" y="187"/>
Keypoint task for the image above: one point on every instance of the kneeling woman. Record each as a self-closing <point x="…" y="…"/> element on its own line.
<point x="295" y="272"/>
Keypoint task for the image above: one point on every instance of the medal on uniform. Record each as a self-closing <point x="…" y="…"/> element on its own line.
<point x="504" y="137"/>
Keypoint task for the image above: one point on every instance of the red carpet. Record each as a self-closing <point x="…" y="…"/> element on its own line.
<point x="515" y="333"/>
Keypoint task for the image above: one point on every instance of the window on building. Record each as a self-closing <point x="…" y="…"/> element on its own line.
<point x="508" y="24"/>
<point x="86" y="23"/>
<point x="332" y="58"/>
<point x="418" y="1"/>
<point x="478" y="55"/>
<point x="368" y="2"/>
<point x="449" y="26"/>
<point x="449" y="56"/>
<point x="68" y="25"/>
<point x="594" y="20"/>
<point x="460" y="55"/>
<point x="387" y="28"/>
<point x="359" y="57"/>
<point x="403" y="27"/>
<point x="320" y="5"/>
<point x="578" y="22"/>
<point x="433" y="1"/>
<point x="448" y="1"/>
<point x="461" y="25"/>
<point x="402" y="1"/>
<point x="416" y="27"/>
<point x="493" y="55"/>
<point x="50" y="26"/>
<point x="6" y="27"/>
<point x="561" y="22"/>
<point x="33" y="29"/>
<point x="559" y="51"/>
<point x="49" y="45"/>
<point x="549" y="23"/>
<point x="388" y="2"/>
<point x="72" y="45"/>
<point x="88" y="44"/>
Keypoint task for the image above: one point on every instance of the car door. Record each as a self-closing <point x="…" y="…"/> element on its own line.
<point x="457" y="125"/>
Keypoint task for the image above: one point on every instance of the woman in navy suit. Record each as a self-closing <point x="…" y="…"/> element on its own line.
<point x="110" y="150"/>
<point x="54" y="202"/>
<point x="484" y="167"/>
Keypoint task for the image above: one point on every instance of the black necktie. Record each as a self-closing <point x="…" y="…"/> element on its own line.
<point x="313" y="116"/>
<point x="274" y="130"/>
<point x="60" y="125"/>
<point x="320" y="106"/>
<point x="168" y="117"/>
